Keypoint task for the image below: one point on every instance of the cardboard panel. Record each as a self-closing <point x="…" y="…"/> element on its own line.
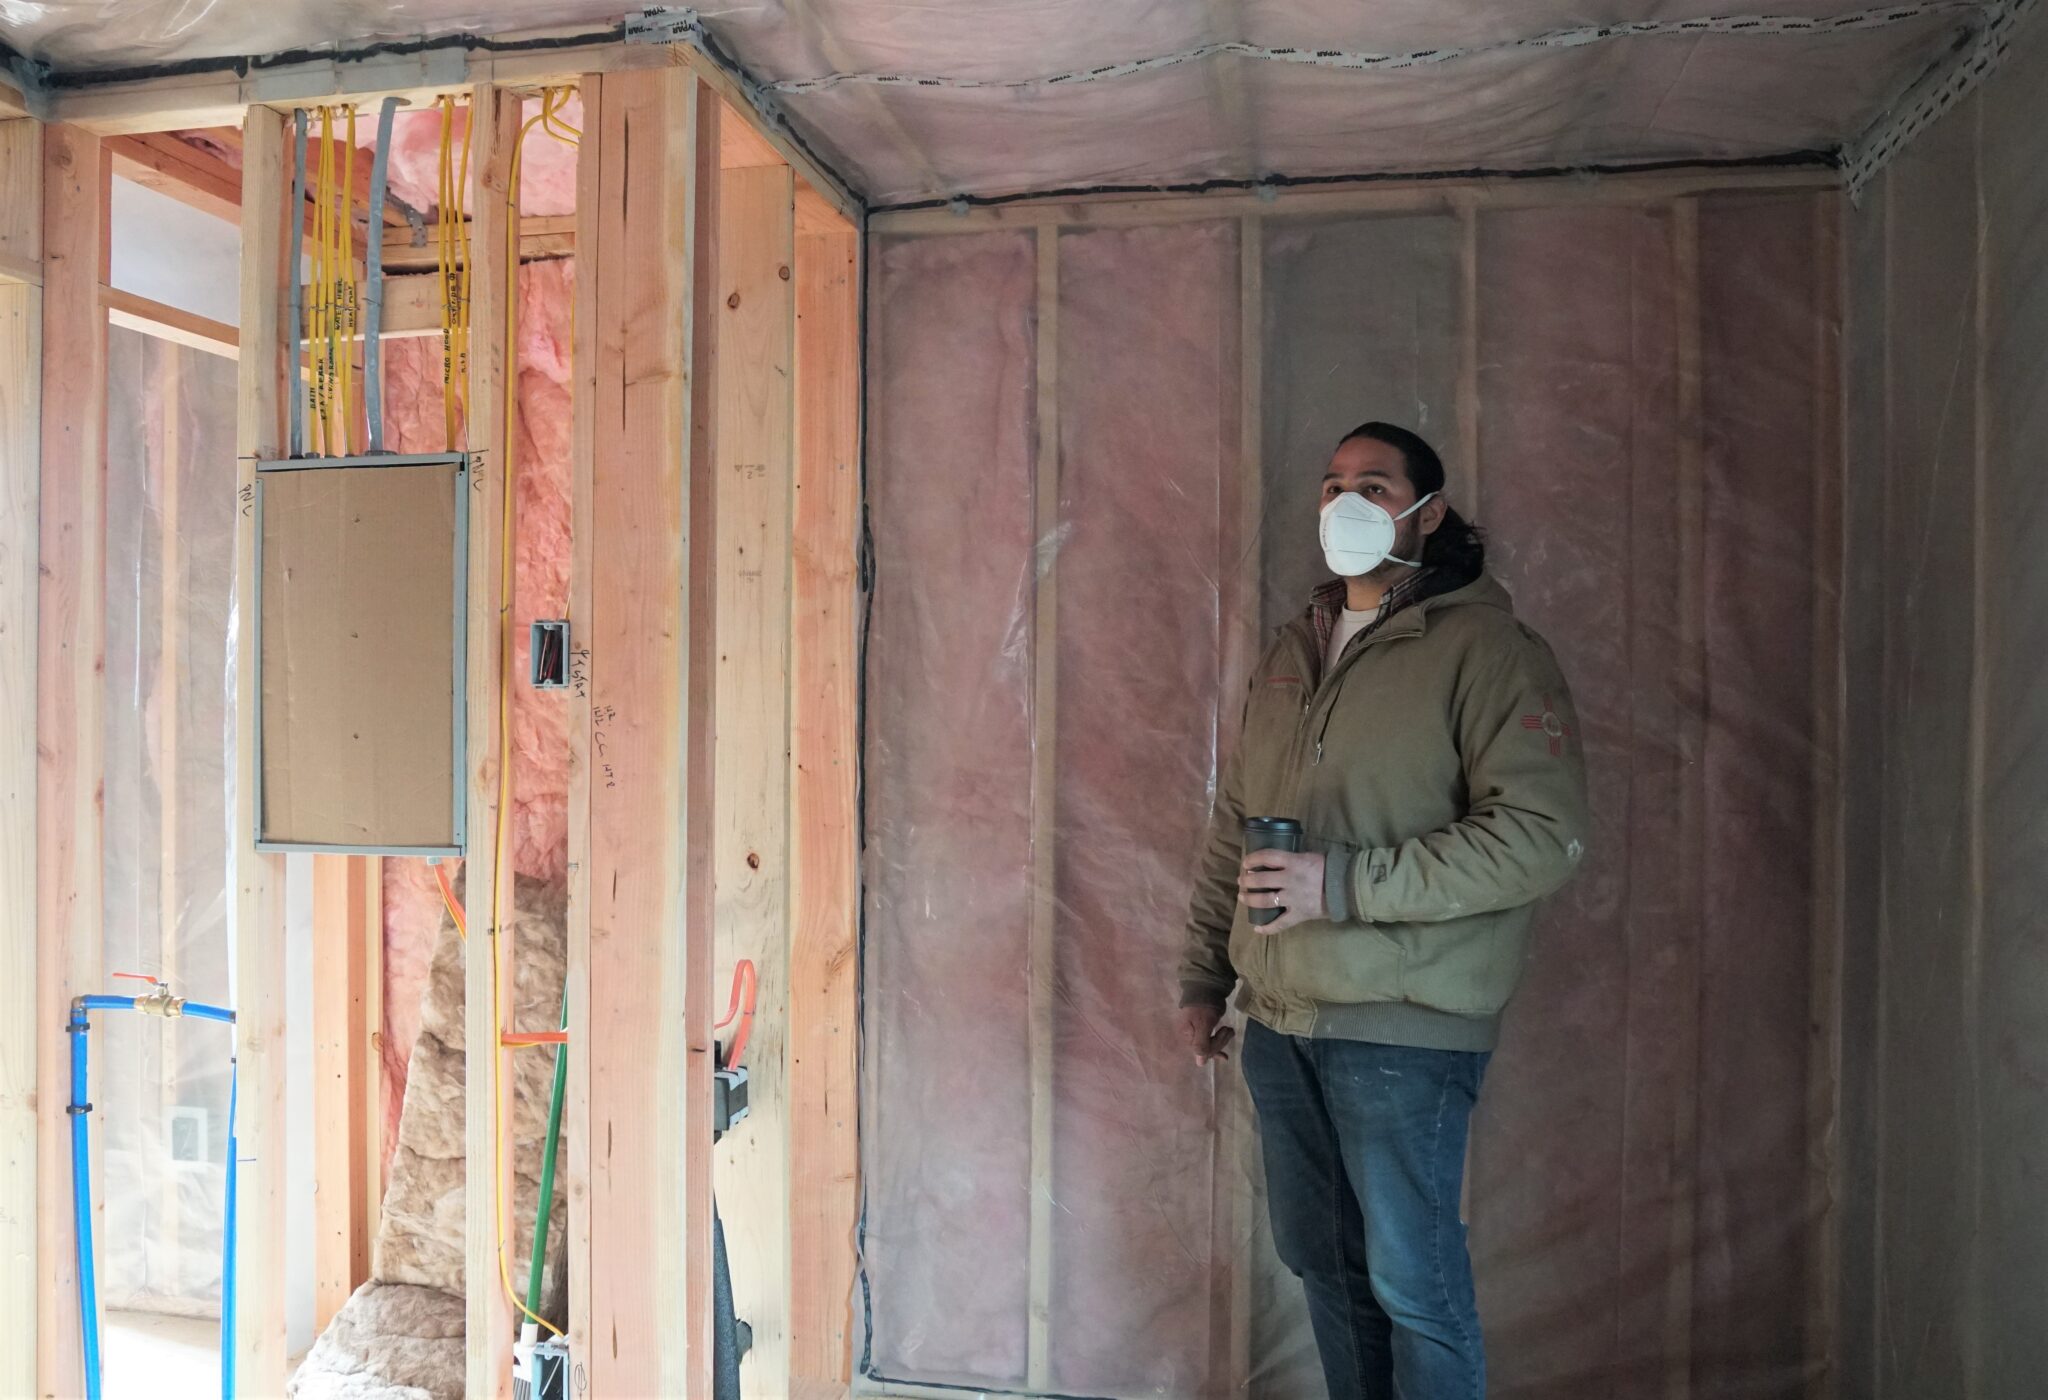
<point x="360" y="656"/>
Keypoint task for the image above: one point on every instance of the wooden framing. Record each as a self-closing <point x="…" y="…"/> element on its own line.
<point x="824" y="891"/>
<point x="1044" y="767"/>
<point x="70" y="645"/>
<point x="640" y="808"/>
<point x="1239" y="615"/>
<point x="1375" y="197"/>
<point x="1829" y="677"/>
<point x="551" y="236"/>
<point x="258" y="878"/>
<point x="777" y="868"/>
<point x="220" y="98"/>
<point x="181" y="170"/>
<point x="756" y="432"/>
<point x="153" y="318"/>
<point x="348" y="965"/>
<point x="1692" y="688"/>
<point x="487" y="879"/>
<point x="22" y="1029"/>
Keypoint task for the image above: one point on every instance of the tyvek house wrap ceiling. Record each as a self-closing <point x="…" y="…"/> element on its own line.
<point x="1001" y="96"/>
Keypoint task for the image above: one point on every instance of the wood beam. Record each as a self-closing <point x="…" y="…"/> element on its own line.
<point x="824" y="1024"/>
<point x="1039" y="987"/>
<point x="70" y="647"/>
<point x="153" y="318"/>
<point x="1391" y="198"/>
<point x="1691" y="684"/>
<point x="741" y="144"/>
<point x="488" y="884"/>
<point x="577" y="951"/>
<point x="412" y="306"/>
<point x="21" y="194"/>
<point x="258" y="879"/>
<point x="21" y="1004"/>
<point x="545" y="236"/>
<point x="14" y="104"/>
<point x="642" y="606"/>
<point x="816" y="214"/>
<point x="348" y="935"/>
<point x="1240" y="635"/>
<point x="756" y="340"/>
<point x="185" y="172"/>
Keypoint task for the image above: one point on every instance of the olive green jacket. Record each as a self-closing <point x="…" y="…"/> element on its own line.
<point x="1439" y="768"/>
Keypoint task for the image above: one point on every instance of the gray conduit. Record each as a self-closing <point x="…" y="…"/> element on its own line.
<point x="295" y="445"/>
<point x="373" y="295"/>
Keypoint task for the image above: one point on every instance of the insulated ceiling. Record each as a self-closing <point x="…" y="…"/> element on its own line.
<point x="921" y="99"/>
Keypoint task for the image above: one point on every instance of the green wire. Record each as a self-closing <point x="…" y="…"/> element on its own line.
<point x="547" y="1167"/>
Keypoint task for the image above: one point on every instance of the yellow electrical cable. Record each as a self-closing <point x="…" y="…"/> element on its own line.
<point x="336" y="446"/>
<point x="501" y="826"/>
<point x="442" y="200"/>
<point x="322" y="289"/>
<point x="345" y="287"/>
<point x="459" y="254"/>
<point x="315" y="298"/>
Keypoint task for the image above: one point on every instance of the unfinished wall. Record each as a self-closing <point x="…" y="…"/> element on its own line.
<point x="540" y="813"/>
<point x="1085" y="504"/>
<point x="1945" y="1255"/>
<point x="161" y="1086"/>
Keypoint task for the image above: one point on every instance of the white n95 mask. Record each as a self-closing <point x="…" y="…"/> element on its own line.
<point x="1358" y="535"/>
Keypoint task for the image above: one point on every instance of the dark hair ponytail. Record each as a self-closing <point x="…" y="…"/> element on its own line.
<point x="1453" y="554"/>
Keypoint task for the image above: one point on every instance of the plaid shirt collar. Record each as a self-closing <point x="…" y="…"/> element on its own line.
<point x="1329" y="598"/>
<point x="1323" y="606"/>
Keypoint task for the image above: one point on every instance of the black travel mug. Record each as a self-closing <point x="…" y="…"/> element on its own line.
<point x="1270" y="834"/>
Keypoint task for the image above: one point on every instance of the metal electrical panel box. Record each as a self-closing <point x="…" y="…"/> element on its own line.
<point x="361" y="625"/>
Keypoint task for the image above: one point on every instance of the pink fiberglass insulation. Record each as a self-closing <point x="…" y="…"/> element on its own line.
<point x="547" y="179"/>
<point x="414" y="422"/>
<point x="949" y="810"/>
<point x="1570" y="1239"/>
<point x="1147" y="317"/>
<point x="1640" y="1185"/>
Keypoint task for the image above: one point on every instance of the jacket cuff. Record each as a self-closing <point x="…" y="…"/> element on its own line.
<point x="1337" y="886"/>
<point x="1203" y="994"/>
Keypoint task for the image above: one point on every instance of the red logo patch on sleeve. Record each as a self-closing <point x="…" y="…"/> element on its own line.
<point x="1551" y="724"/>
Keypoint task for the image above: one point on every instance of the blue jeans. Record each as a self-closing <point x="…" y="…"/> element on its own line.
<point x="1365" y="1153"/>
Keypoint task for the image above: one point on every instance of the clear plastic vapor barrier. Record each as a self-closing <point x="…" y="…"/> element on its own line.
<point x="160" y="1086"/>
<point x="1095" y="462"/>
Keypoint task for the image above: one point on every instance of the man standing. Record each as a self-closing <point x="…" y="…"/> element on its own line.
<point x="1426" y="742"/>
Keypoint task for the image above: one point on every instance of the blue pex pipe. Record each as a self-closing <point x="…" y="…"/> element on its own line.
<point x="227" y="1243"/>
<point x="81" y="1189"/>
<point x="81" y="1197"/>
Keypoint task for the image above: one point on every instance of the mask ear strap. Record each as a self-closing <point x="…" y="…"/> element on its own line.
<point x="1412" y="509"/>
<point x="1412" y="563"/>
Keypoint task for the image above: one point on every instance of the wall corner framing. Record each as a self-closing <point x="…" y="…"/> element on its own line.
<point x="22" y="1030"/>
<point x="69" y="670"/>
<point x="716" y="521"/>
<point x="258" y="879"/>
<point x="640" y="936"/>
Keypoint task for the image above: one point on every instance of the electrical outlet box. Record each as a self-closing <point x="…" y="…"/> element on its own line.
<point x="540" y="1370"/>
<point x="728" y="1099"/>
<point x="549" y="653"/>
